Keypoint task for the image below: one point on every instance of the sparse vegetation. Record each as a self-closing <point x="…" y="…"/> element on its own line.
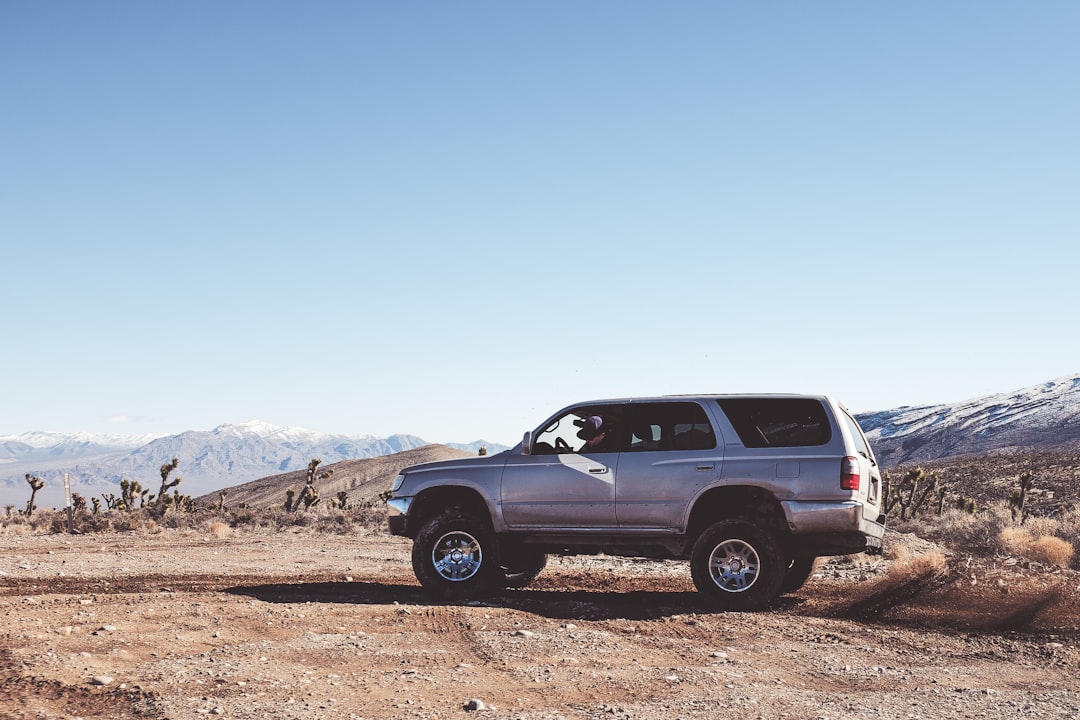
<point x="1018" y="506"/>
<point x="309" y="496"/>
<point x="166" y="484"/>
<point x="36" y="484"/>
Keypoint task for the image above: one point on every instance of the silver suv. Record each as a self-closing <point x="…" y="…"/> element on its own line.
<point x="749" y="488"/>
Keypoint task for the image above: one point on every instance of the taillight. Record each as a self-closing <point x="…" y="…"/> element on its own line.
<point x="849" y="473"/>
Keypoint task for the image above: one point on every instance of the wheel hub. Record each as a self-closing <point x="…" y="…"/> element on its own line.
<point x="734" y="566"/>
<point x="457" y="556"/>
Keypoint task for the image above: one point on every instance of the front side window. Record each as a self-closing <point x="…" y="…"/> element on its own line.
<point x="564" y="434"/>
<point x="778" y="422"/>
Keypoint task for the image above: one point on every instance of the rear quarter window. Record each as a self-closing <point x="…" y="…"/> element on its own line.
<point x="778" y="422"/>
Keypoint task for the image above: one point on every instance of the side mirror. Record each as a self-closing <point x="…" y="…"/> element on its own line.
<point x="526" y="443"/>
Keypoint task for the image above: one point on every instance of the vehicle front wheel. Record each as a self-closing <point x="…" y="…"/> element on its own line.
<point x="738" y="565"/>
<point x="454" y="556"/>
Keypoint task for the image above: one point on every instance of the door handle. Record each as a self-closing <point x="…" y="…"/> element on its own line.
<point x="705" y="467"/>
<point x="598" y="470"/>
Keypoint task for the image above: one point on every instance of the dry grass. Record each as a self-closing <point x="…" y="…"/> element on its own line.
<point x="1046" y="549"/>
<point x="922" y="566"/>
<point x="219" y="529"/>
<point x="1053" y="540"/>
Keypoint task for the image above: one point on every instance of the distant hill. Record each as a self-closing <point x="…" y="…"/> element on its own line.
<point x="226" y="456"/>
<point x="1044" y="417"/>
<point x="363" y="480"/>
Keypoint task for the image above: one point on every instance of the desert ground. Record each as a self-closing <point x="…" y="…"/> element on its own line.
<point x="299" y="624"/>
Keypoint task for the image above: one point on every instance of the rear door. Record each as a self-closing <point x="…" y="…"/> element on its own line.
<point x="673" y="453"/>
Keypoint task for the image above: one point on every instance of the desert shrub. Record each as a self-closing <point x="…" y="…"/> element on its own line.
<point x="974" y="533"/>
<point x="16" y="526"/>
<point x="1051" y="551"/>
<point x="47" y="520"/>
<point x="335" y="521"/>
<point x="1039" y="526"/>
<point x="91" y="522"/>
<point x="371" y="514"/>
<point x="219" y="529"/>
<point x="912" y="566"/>
<point x="137" y="522"/>
<point x="1046" y="549"/>
<point x="242" y="516"/>
<point x="1070" y="527"/>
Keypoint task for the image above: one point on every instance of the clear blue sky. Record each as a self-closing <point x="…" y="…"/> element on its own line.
<point x="452" y="219"/>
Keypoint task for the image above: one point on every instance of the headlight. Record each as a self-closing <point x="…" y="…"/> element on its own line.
<point x="397" y="483"/>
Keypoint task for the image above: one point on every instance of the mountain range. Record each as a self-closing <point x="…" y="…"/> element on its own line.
<point x="228" y="455"/>
<point x="1038" y="418"/>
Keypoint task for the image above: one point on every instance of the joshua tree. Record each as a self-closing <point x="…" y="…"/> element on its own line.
<point x="290" y="498"/>
<point x="129" y="490"/>
<point x="221" y="500"/>
<point x="36" y="484"/>
<point x="182" y="503"/>
<point x="911" y="494"/>
<point x="165" y="484"/>
<point x="483" y="449"/>
<point x="310" y="495"/>
<point x="1018" y="500"/>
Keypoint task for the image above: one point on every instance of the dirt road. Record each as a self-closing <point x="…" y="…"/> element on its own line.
<point x="297" y="625"/>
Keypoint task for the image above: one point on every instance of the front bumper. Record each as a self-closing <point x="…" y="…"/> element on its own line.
<point x="397" y="514"/>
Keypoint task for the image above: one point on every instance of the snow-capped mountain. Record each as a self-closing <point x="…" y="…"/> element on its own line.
<point x="1041" y="417"/>
<point x="212" y="459"/>
<point x="46" y="446"/>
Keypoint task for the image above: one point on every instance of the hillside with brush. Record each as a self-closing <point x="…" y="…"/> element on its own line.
<point x="361" y="480"/>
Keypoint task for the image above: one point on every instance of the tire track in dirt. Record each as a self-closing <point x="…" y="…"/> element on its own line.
<point x="26" y="697"/>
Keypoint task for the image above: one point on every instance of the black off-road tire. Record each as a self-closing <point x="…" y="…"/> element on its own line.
<point x="738" y="565"/>
<point x="455" y="556"/>
<point x="522" y="566"/>
<point x="798" y="572"/>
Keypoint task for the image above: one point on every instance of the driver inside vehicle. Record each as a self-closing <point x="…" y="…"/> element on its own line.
<point x="596" y="434"/>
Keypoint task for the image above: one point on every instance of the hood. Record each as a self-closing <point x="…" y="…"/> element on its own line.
<point x="466" y="462"/>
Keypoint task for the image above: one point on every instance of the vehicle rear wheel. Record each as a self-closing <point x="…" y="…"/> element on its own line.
<point x="798" y="572"/>
<point x="454" y="556"/>
<point x="522" y="566"/>
<point x="738" y="565"/>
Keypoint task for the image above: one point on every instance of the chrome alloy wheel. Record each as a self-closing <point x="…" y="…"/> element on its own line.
<point x="457" y="556"/>
<point x="734" y="566"/>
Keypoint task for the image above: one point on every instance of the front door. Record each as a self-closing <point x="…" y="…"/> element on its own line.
<point x="566" y="484"/>
<point x="559" y="491"/>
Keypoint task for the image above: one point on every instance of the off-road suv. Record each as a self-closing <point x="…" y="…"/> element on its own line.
<point x="749" y="488"/>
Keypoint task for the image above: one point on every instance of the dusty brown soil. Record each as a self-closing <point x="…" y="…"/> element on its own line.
<point x="261" y="624"/>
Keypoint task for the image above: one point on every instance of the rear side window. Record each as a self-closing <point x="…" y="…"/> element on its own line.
<point x="670" y="426"/>
<point x="778" y="422"/>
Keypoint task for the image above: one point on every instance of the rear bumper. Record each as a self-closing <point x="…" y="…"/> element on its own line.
<point x="836" y="528"/>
